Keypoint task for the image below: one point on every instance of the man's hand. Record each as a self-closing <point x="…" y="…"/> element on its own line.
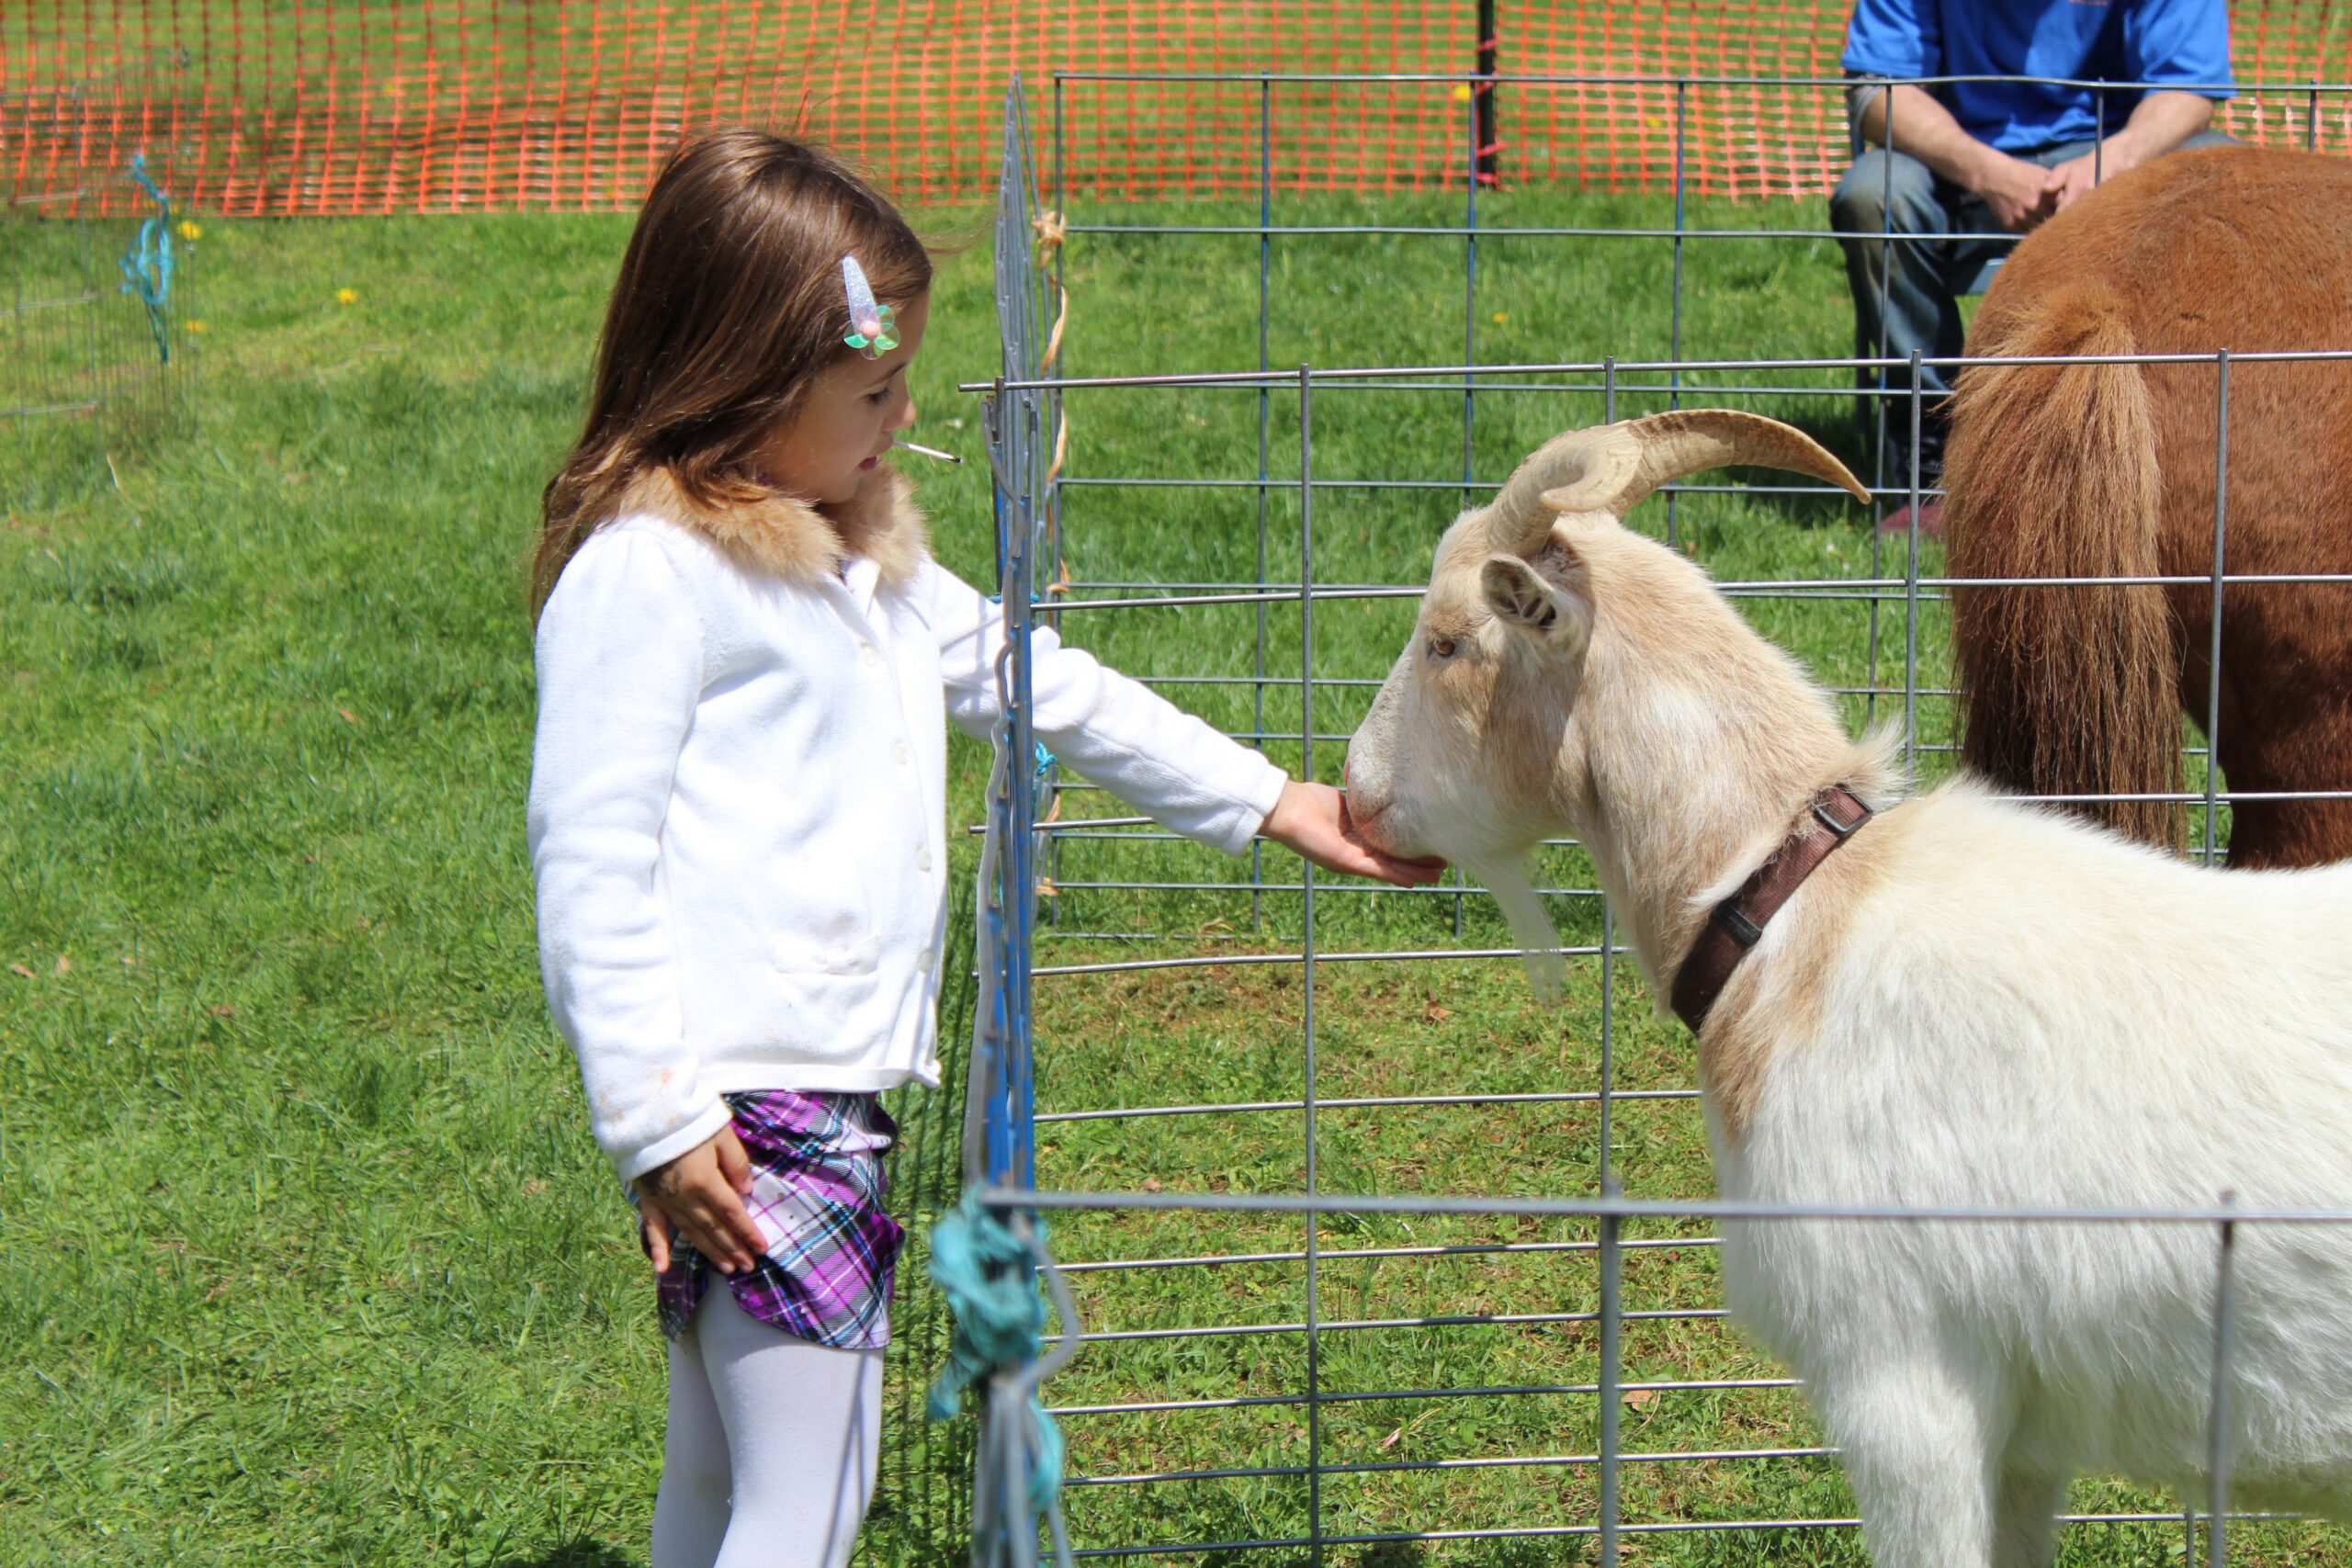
<point x="1913" y="121"/>
<point x="1311" y="819"/>
<point x="701" y="1192"/>
<point x="2020" y="194"/>
<point x="2162" y="121"/>
<point x="2078" y="177"/>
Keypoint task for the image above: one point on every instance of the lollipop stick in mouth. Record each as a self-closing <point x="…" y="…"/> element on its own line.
<point x="927" y="451"/>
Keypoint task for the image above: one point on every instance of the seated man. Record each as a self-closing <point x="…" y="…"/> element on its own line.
<point x="1993" y="159"/>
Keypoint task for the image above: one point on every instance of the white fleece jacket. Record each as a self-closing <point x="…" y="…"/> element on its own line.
<point x="738" y="818"/>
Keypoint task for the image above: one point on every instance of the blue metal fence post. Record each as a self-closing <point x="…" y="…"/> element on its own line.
<point x="999" y="1134"/>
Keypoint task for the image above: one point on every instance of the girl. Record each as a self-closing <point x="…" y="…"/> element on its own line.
<point x="737" y="816"/>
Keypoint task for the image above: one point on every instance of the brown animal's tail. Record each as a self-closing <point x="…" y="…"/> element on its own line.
<point x="2052" y="472"/>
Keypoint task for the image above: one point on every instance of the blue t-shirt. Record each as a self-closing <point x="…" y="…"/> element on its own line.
<point x="2159" y="42"/>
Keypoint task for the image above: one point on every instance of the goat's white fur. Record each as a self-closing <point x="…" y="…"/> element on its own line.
<point x="1992" y="1006"/>
<point x="1530" y="925"/>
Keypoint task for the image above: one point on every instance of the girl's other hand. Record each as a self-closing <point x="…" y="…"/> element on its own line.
<point x="701" y="1192"/>
<point x="1311" y="819"/>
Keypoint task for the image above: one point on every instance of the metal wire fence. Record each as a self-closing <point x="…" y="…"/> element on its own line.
<point x="922" y="1508"/>
<point x="97" y="318"/>
<point x="1229" y="1403"/>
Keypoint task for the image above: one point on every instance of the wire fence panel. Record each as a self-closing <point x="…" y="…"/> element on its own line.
<point x="259" y="107"/>
<point x="98" y="327"/>
<point x="922" y="1508"/>
<point x="1378" y="1262"/>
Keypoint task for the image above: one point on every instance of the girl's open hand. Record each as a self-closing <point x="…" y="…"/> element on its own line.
<point x="701" y="1192"/>
<point x="1311" y="819"/>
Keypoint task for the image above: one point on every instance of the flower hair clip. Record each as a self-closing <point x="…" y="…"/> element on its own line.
<point x="873" y="328"/>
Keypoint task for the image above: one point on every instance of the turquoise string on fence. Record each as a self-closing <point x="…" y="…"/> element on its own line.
<point x="983" y="1267"/>
<point x="147" y="264"/>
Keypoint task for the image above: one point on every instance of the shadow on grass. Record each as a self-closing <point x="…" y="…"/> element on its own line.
<point x="1500" y="1553"/>
<point x="578" y="1554"/>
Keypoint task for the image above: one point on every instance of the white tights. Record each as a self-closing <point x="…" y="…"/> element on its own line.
<point x="772" y="1445"/>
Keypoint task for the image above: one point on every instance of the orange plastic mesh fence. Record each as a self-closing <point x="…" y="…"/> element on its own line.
<point x="251" y="107"/>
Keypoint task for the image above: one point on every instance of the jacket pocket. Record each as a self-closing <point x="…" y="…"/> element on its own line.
<point x="847" y="960"/>
<point x="828" y="995"/>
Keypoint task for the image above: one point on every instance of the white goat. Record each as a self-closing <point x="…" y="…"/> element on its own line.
<point x="1974" y="1003"/>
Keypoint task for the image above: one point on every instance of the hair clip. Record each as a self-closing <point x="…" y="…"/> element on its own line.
<point x="873" y="328"/>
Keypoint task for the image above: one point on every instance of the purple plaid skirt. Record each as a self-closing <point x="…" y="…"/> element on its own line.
<point x="817" y="1189"/>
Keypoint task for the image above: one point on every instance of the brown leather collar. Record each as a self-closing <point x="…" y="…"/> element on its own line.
<point x="1734" y="925"/>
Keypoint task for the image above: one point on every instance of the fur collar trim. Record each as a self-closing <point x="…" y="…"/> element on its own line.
<point x="780" y="533"/>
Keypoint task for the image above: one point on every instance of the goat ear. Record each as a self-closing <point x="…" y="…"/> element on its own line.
<point x="1547" y="598"/>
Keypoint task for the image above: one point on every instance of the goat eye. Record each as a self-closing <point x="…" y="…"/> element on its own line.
<point x="1440" y="648"/>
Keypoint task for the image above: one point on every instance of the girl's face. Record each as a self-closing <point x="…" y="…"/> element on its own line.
<point x="828" y="448"/>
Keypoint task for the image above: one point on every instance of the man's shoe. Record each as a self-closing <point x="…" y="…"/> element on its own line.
<point x="1931" y="521"/>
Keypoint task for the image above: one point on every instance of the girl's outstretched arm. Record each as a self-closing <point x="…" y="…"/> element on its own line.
<point x="1312" y="819"/>
<point x="1125" y="736"/>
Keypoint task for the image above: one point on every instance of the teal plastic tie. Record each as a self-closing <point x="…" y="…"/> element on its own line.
<point x="148" y="265"/>
<point x="984" y="1269"/>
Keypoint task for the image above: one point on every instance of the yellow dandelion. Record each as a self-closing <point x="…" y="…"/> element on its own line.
<point x="1501" y="316"/>
<point x="191" y="230"/>
<point x="346" y="297"/>
<point x="195" y="326"/>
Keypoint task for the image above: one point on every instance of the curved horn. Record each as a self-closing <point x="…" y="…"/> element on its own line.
<point x="1612" y="468"/>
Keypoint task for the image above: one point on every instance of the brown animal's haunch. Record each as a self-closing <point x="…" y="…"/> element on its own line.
<point x="2108" y="470"/>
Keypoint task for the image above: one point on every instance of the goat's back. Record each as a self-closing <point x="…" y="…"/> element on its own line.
<point x="2033" y="1013"/>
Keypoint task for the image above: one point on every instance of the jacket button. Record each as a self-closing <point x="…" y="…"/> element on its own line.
<point x="868" y="657"/>
<point x="923" y="860"/>
<point x="924" y="960"/>
<point x="903" y="755"/>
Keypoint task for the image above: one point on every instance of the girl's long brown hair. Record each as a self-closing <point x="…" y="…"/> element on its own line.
<point x="729" y="303"/>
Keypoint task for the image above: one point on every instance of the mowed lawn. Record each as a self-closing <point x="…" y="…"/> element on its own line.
<point x="305" y="1253"/>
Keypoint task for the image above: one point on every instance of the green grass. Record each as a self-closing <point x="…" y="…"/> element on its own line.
<point x="305" y="1253"/>
<point x="306" y="1258"/>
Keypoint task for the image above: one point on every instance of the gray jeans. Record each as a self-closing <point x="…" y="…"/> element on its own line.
<point x="1906" y="291"/>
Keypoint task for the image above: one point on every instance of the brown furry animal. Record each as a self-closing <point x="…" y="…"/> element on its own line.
<point x="2108" y="470"/>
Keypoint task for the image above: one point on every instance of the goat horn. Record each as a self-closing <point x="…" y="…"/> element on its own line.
<point x="1612" y="468"/>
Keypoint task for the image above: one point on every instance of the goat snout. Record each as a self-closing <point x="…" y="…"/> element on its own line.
<point x="1363" y="809"/>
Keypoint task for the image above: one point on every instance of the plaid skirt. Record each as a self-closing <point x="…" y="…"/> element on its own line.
<point x="816" y="1192"/>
